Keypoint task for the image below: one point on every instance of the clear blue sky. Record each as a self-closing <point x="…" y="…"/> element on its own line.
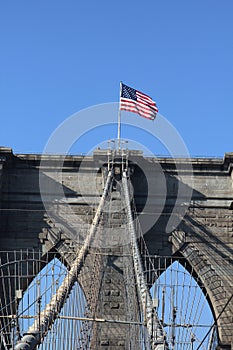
<point x="58" y="57"/>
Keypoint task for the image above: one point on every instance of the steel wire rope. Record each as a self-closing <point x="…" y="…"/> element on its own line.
<point x="180" y="310"/>
<point x="9" y="285"/>
<point x="177" y="283"/>
<point x="196" y="288"/>
<point x="172" y="308"/>
<point x="157" y="335"/>
<point x="168" y="283"/>
<point x="150" y="260"/>
<point x="186" y="306"/>
<point x="215" y="323"/>
<point x="55" y="266"/>
<point x="6" y="304"/>
<point x="32" y="338"/>
<point x="197" y="316"/>
<point x="39" y="277"/>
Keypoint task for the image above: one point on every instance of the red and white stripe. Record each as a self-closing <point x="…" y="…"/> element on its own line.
<point x="146" y="110"/>
<point x="146" y="100"/>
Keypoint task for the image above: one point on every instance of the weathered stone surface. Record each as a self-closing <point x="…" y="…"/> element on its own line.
<point x="204" y="237"/>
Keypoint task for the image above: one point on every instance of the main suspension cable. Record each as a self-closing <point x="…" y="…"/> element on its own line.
<point x="46" y="318"/>
<point x="152" y="322"/>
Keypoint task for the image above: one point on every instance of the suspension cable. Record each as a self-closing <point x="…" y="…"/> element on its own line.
<point x="43" y="323"/>
<point x="152" y="322"/>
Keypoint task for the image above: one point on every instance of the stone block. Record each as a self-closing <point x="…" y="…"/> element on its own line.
<point x="115" y="292"/>
<point x="104" y="342"/>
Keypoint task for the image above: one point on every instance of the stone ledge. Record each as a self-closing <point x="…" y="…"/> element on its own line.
<point x="5" y="150"/>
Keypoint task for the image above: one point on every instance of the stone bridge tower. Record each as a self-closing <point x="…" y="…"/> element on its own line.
<point x="203" y="236"/>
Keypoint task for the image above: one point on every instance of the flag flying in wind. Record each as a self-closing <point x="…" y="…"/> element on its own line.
<point x="132" y="100"/>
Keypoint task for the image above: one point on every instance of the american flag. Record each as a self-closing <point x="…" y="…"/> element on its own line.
<point x="132" y="100"/>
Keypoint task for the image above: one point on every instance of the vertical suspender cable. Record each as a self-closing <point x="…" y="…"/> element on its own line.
<point x="39" y="330"/>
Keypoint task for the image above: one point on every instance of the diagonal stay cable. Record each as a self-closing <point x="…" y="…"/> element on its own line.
<point x="215" y="323"/>
<point x="46" y="318"/>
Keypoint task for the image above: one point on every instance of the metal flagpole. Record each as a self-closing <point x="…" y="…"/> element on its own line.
<point x="119" y="119"/>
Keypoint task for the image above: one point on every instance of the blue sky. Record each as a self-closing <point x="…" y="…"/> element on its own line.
<point x="59" y="57"/>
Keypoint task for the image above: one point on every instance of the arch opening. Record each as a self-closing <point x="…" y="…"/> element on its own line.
<point x="183" y="308"/>
<point x="68" y="330"/>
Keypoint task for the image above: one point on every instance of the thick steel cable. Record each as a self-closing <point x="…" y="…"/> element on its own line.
<point x="152" y="322"/>
<point x="39" y="329"/>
